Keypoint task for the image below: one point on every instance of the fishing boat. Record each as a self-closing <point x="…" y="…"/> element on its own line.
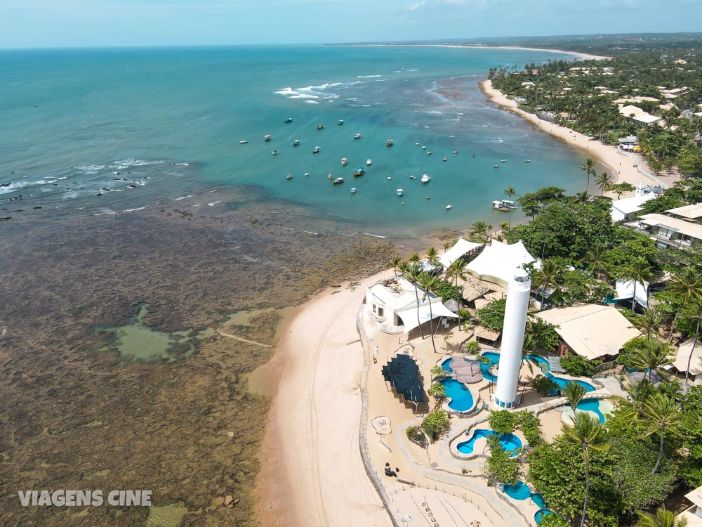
<point x="320" y="126"/>
<point x="503" y="205"/>
<point x="428" y="153"/>
<point x="399" y="191"/>
<point x="389" y="143"/>
<point x="296" y="142"/>
<point x="306" y="174"/>
<point x="353" y="190"/>
<point x="340" y="122"/>
<point x="243" y="142"/>
<point x="338" y="181"/>
<point x="445" y="159"/>
<point x="426" y="178"/>
<point x="369" y="162"/>
<point x="389" y="178"/>
<point x="315" y="150"/>
<point x="358" y="172"/>
<point x="344" y="161"/>
<point x="357" y="137"/>
<point x="497" y="166"/>
<point x="267" y="138"/>
<point x="503" y="160"/>
<point x="449" y="207"/>
<point x="424" y="147"/>
<point x="527" y="160"/>
<point x="288" y="120"/>
<point x="288" y="177"/>
<point x="274" y="153"/>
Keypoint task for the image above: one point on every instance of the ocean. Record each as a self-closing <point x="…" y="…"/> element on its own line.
<point x="109" y="131"/>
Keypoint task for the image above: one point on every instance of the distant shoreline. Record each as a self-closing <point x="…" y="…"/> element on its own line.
<point x="621" y="166"/>
<point x="577" y="54"/>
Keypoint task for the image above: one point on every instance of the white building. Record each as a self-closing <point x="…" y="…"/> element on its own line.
<point x="394" y="304"/>
<point x="682" y="358"/>
<point x="499" y="262"/>
<point x="624" y="209"/>
<point x="693" y="514"/>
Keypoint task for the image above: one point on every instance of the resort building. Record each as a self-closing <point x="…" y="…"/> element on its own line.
<point x="637" y="114"/>
<point x="669" y="231"/>
<point x="625" y="209"/>
<point x="499" y="262"/>
<point x="592" y="331"/>
<point x="693" y="514"/>
<point x="400" y="308"/>
<point x="682" y="358"/>
<point x="688" y="212"/>
<point x="628" y="143"/>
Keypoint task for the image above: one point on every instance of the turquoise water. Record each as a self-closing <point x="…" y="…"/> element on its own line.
<point x="538" y="500"/>
<point x="560" y="381"/>
<point x="461" y="397"/>
<point x="592" y="405"/>
<point x="518" y="491"/>
<point x="447" y="365"/>
<point x="539" y="515"/>
<point x="143" y="126"/>
<point x="509" y="442"/>
<point x="493" y="358"/>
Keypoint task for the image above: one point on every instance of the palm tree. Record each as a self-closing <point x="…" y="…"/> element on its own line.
<point x="549" y="275"/>
<point x="589" y="168"/>
<point x="596" y="261"/>
<point x="587" y="433"/>
<point x="652" y="355"/>
<point x="438" y="392"/>
<point x="456" y="271"/>
<point x="662" y="415"/>
<point x="640" y="272"/>
<point x="396" y="264"/>
<point x="510" y="192"/>
<point x="412" y="273"/>
<point x="603" y="181"/>
<point x="574" y="393"/>
<point x="688" y="286"/>
<point x="693" y="313"/>
<point x="650" y="321"/>
<point x="432" y="256"/>
<point x="662" y="518"/>
<point x="428" y="282"/>
<point x="480" y="230"/>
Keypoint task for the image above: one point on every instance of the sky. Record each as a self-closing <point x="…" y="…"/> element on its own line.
<point x="98" y="23"/>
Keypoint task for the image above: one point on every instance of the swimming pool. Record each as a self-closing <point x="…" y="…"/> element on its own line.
<point x="538" y="500"/>
<point x="461" y="397"/>
<point x="592" y="405"/>
<point x="518" y="491"/>
<point x="509" y="442"/>
<point x="493" y="357"/>
<point x="543" y="363"/>
<point x="447" y="365"/>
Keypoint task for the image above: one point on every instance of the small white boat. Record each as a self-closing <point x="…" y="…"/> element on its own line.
<point x="357" y="137"/>
<point x="424" y="147"/>
<point x="243" y="142"/>
<point x="296" y="142"/>
<point x="340" y="122"/>
<point x="306" y="174"/>
<point x="320" y="126"/>
<point x="344" y="161"/>
<point x="413" y="177"/>
<point x="315" y="150"/>
<point x="428" y="153"/>
<point x="288" y="177"/>
<point x="497" y="166"/>
<point x="426" y="178"/>
<point x="274" y="153"/>
<point x="449" y="207"/>
<point x="416" y="144"/>
<point x="267" y="138"/>
<point x="445" y="159"/>
<point x="503" y="205"/>
<point x="389" y="178"/>
<point x="358" y="172"/>
<point x="353" y="190"/>
<point x="503" y="160"/>
<point x="527" y="160"/>
<point x="288" y="120"/>
<point x="399" y="191"/>
<point x="338" y="181"/>
<point x="369" y="162"/>
<point x="389" y="143"/>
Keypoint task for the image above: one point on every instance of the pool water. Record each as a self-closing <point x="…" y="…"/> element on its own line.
<point x="592" y="405"/>
<point x="461" y="397"/>
<point x="538" y="500"/>
<point x="518" y="491"/>
<point x="494" y="358"/>
<point x="509" y="442"/>
<point x="543" y="363"/>
<point x="540" y="514"/>
<point x="447" y="365"/>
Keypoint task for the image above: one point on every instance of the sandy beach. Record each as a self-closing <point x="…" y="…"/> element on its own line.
<point x="622" y="166"/>
<point x="312" y="472"/>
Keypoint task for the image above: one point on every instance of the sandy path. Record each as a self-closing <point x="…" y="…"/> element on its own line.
<point x="623" y="167"/>
<point x="315" y="476"/>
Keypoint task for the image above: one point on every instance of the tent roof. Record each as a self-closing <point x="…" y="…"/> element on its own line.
<point x="591" y="330"/>
<point x="500" y="261"/>
<point x="410" y="316"/>
<point x="625" y="291"/>
<point x="683" y="355"/>
<point x="460" y="248"/>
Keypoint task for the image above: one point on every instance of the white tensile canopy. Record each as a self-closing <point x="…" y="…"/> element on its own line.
<point x="499" y="262"/>
<point x="683" y="356"/>
<point x="409" y="314"/>
<point x="459" y="249"/>
<point x="625" y="291"/>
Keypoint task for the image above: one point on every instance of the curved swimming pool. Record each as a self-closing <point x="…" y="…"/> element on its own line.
<point x="543" y="363"/>
<point x="540" y="514"/>
<point x="461" y="397"/>
<point x="518" y="491"/>
<point x="592" y="405"/>
<point x="509" y="442"/>
<point x="493" y="358"/>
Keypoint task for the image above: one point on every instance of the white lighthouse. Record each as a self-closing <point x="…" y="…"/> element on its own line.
<point x="512" y="340"/>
